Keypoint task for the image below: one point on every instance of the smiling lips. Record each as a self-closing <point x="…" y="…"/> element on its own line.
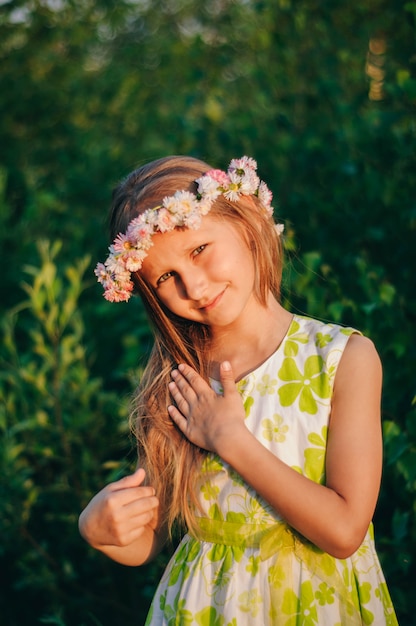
<point x="212" y="303"/>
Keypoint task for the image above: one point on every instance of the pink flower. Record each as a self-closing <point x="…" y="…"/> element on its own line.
<point x="220" y="176"/>
<point x="122" y="243"/>
<point x="114" y="294"/>
<point x="138" y="230"/>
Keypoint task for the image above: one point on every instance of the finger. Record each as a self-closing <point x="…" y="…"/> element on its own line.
<point x="135" y="494"/>
<point x="132" y="480"/>
<point x="227" y="378"/>
<point x="135" y="530"/>
<point x="178" y="396"/>
<point x="140" y="506"/>
<point x="125" y="528"/>
<point x="195" y="381"/>
<point x="182" y="384"/>
<point x="115" y="504"/>
<point x="189" y="387"/>
<point x="178" y="418"/>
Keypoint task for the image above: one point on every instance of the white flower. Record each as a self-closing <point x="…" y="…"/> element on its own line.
<point x="249" y="183"/>
<point x="205" y="206"/>
<point x="245" y="163"/>
<point x="112" y="263"/>
<point x="134" y="260"/>
<point x="193" y="220"/>
<point x="151" y="216"/>
<point x="187" y="202"/>
<point x="101" y="273"/>
<point x="208" y="188"/>
<point x="265" y="196"/>
<point x="165" y="220"/>
<point x="171" y="204"/>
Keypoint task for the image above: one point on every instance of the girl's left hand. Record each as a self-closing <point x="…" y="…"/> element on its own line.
<point x="207" y="419"/>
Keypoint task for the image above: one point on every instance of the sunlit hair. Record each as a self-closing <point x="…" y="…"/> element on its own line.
<point x="173" y="463"/>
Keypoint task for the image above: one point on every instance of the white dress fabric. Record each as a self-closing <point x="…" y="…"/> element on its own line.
<point x="243" y="565"/>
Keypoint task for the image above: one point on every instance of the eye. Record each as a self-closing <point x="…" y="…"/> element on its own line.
<point x="164" y="277"/>
<point x="199" y="249"/>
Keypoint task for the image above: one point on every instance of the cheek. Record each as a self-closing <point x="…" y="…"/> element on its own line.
<point x="172" y="298"/>
<point x="236" y="259"/>
<point x="243" y="263"/>
<point x="168" y="299"/>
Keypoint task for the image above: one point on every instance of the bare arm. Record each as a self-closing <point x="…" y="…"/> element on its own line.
<point x="335" y="517"/>
<point x="123" y="521"/>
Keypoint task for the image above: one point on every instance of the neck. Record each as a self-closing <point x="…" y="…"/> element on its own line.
<point x="248" y="345"/>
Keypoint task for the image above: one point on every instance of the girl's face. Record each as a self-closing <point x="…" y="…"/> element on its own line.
<point x="204" y="275"/>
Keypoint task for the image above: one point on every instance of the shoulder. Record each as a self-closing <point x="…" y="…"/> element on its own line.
<point x="324" y="336"/>
<point x="360" y="363"/>
<point x="344" y="349"/>
<point x="360" y="350"/>
<point x="315" y="326"/>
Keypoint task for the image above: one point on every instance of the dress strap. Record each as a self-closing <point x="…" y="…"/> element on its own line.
<point x="282" y="540"/>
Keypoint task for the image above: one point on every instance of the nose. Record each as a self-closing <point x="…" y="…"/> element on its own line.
<point x="194" y="284"/>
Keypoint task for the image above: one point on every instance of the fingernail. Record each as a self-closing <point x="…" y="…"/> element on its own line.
<point x="226" y="366"/>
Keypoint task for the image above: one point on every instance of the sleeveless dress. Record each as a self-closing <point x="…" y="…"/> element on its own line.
<point x="243" y="564"/>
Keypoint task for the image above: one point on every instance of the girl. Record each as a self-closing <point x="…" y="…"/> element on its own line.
<point x="276" y="476"/>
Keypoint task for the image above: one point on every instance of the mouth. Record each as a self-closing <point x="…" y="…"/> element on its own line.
<point x="211" y="304"/>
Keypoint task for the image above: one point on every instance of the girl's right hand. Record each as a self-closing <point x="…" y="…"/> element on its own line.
<point x="121" y="515"/>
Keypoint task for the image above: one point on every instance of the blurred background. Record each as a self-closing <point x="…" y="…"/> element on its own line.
<point x="322" y="93"/>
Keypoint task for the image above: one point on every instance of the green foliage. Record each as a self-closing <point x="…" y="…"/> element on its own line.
<point x="323" y="96"/>
<point x="62" y="434"/>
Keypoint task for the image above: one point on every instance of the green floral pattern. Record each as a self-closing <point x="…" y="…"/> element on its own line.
<point x="228" y="581"/>
<point x="309" y="385"/>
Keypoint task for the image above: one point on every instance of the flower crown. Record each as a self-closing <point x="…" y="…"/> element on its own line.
<point x="184" y="208"/>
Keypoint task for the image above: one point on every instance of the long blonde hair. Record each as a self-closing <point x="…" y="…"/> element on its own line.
<point x="171" y="461"/>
